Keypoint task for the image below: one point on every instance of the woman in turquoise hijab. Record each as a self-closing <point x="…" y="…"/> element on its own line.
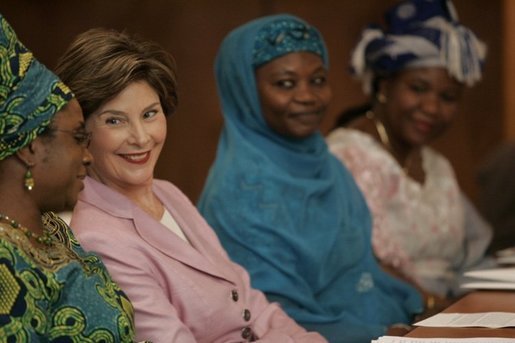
<point x="281" y="204"/>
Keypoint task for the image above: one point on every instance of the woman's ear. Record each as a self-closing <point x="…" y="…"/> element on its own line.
<point x="32" y="153"/>
<point x="382" y="90"/>
<point x="26" y="155"/>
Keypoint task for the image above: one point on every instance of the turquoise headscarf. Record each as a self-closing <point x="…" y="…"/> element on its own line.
<point x="239" y="56"/>
<point x="288" y="211"/>
<point x="30" y="94"/>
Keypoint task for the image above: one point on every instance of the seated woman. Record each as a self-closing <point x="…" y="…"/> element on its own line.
<point x="283" y="206"/>
<point x="50" y="289"/>
<point x="154" y="242"/>
<point x="424" y="229"/>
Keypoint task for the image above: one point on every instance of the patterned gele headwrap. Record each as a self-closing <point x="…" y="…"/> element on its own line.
<point x="419" y="33"/>
<point x="30" y="94"/>
<point x="284" y="36"/>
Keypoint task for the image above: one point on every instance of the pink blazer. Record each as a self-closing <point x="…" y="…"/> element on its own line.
<point x="180" y="292"/>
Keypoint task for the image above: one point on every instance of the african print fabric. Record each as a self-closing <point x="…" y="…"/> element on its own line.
<point x="30" y="94"/>
<point x="58" y="293"/>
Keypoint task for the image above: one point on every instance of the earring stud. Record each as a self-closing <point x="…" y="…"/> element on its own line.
<point x="381" y="98"/>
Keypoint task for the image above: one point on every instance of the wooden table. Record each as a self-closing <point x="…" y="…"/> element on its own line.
<point x="479" y="301"/>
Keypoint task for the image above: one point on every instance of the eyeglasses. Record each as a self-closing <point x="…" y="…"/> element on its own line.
<point x="82" y="137"/>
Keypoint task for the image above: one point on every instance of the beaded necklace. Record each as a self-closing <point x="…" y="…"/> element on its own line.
<point x="45" y="239"/>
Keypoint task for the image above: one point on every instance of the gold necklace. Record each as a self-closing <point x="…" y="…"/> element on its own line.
<point x="385" y="140"/>
<point x="45" y="239"/>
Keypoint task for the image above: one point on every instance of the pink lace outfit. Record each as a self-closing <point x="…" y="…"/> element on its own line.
<point x="419" y="229"/>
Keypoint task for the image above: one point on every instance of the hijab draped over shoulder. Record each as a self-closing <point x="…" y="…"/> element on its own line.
<point x="286" y="209"/>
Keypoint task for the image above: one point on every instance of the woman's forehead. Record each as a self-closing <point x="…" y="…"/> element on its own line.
<point x="69" y="116"/>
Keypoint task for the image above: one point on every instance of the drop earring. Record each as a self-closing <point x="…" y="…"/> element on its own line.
<point x="28" y="180"/>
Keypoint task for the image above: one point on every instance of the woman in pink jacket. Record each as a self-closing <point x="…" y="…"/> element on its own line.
<point x="157" y="247"/>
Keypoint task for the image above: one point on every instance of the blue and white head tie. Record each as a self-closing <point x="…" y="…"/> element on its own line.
<point x="419" y="33"/>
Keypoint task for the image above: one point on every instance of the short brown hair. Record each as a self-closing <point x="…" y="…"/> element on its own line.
<point x="100" y="63"/>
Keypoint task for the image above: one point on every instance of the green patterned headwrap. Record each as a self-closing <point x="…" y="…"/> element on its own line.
<point x="30" y="94"/>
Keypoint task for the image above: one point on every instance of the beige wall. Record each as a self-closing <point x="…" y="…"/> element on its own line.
<point x="193" y="29"/>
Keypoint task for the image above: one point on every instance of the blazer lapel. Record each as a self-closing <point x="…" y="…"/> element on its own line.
<point x="156" y="234"/>
<point x="161" y="238"/>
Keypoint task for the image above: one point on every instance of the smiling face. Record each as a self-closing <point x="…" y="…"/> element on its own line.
<point x="61" y="165"/>
<point x="128" y="134"/>
<point x="294" y="93"/>
<point x="421" y="103"/>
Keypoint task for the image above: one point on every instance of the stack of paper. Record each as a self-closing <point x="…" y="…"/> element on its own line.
<point x="497" y="278"/>
<point x="508" y="260"/>
<point x="506" y="256"/>
<point x="493" y="320"/>
<point x="392" y="339"/>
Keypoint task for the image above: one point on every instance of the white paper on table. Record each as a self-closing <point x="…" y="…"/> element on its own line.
<point x="505" y="256"/>
<point x="393" y="339"/>
<point x="489" y="285"/>
<point x="505" y="259"/>
<point x="505" y="252"/>
<point x="460" y="320"/>
<point x="495" y="274"/>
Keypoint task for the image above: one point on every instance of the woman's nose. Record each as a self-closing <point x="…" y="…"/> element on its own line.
<point x="139" y="135"/>
<point x="305" y="94"/>
<point x="430" y="104"/>
<point x="87" y="157"/>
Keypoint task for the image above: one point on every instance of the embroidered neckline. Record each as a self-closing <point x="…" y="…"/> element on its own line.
<point x="51" y="256"/>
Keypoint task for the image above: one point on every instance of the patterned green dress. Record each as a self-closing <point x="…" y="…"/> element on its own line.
<point x="58" y="293"/>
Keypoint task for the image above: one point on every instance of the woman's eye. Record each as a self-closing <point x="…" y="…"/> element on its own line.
<point x="449" y="97"/>
<point x="113" y="121"/>
<point x="418" y="88"/>
<point x="149" y="114"/>
<point x="285" y="84"/>
<point x="319" y="80"/>
<point x="83" y="138"/>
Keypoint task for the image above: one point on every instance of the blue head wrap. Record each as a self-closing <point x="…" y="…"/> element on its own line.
<point x="419" y="33"/>
<point x="30" y="94"/>
<point x="245" y="49"/>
